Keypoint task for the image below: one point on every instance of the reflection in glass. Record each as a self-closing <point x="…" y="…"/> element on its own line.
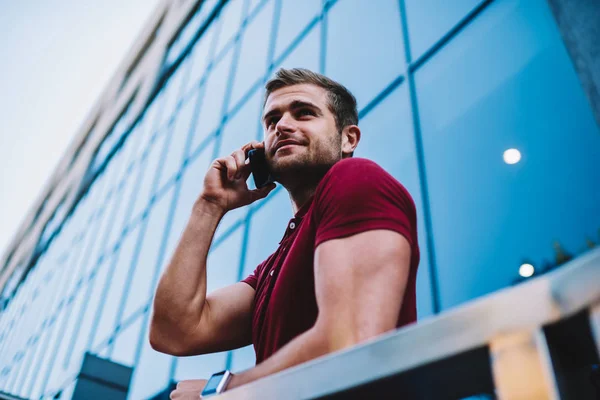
<point x="483" y="93"/>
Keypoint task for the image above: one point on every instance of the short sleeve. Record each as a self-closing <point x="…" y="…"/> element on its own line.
<point x="252" y="279"/>
<point x="357" y="195"/>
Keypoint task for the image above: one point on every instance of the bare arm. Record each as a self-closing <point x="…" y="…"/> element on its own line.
<point x="360" y="283"/>
<point x="185" y="320"/>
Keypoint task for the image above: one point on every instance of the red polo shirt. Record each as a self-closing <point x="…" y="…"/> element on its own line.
<point x="356" y="195"/>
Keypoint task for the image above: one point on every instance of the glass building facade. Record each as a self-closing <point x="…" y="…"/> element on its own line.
<point x="473" y="105"/>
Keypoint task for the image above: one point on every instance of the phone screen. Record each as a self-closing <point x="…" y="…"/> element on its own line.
<point x="259" y="167"/>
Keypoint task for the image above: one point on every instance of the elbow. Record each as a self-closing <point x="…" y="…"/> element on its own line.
<point x="166" y="342"/>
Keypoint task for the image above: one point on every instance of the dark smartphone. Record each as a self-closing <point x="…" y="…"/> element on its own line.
<point x="260" y="169"/>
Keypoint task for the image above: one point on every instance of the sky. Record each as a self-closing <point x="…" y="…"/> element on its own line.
<point x="57" y="57"/>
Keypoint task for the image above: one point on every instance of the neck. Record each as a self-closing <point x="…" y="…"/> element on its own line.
<point x="300" y="196"/>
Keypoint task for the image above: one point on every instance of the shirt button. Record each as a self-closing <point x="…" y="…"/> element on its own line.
<point x="292" y="225"/>
<point x="272" y="271"/>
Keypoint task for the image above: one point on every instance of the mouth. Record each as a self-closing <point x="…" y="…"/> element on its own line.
<point x="286" y="144"/>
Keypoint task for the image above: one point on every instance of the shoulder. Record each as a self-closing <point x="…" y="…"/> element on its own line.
<point x="363" y="178"/>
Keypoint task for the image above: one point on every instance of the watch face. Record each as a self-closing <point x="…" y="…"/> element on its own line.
<point x="212" y="384"/>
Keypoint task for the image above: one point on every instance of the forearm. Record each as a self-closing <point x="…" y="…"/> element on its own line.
<point x="309" y="345"/>
<point x="182" y="287"/>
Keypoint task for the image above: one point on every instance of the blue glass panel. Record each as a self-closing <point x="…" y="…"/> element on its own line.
<point x="224" y="261"/>
<point x="295" y="16"/>
<point x="200" y="57"/>
<point x="211" y="109"/>
<point x="362" y="58"/>
<point x="173" y="90"/>
<point x="149" y="167"/>
<point x="125" y="197"/>
<point x="190" y="30"/>
<point x="253" y="61"/>
<point x="306" y="54"/>
<point x="148" y="125"/>
<point x="177" y="149"/>
<point x="151" y="373"/>
<point x="114" y="292"/>
<point x="231" y="18"/>
<point x="191" y="187"/>
<point x="85" y="317"/>
<point x="243" y="359"/>
<point x="126" y="343"/>
<point x="141" y="287"/>
<point x="429" y="20"/>
<point x="267" y="227"/>
<point x="388" y="139"/>
<point x="504" y="83"/>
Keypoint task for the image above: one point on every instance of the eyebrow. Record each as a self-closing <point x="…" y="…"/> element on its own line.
<point x="294" y="105"/>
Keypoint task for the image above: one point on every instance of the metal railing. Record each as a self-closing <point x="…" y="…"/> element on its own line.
<point x="537" y="340"/>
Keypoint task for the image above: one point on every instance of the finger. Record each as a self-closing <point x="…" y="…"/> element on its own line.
<point x="240" y="159"/>
<point x="261" y="193"/>
<point x="245" y="171"/>
<point x="253" y="145"/>
<point x="231" y="167"/>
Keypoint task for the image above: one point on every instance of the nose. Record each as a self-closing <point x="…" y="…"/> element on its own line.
<point x="285" y="124"/>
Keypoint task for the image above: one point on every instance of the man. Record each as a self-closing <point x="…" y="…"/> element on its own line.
<point x="345" y="270"/>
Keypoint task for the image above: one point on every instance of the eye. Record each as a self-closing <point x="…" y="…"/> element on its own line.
<point x="305" y="112"/>
<point x="272" y="121"/>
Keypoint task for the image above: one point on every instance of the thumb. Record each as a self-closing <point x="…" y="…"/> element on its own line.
<point x="263" y="192"/>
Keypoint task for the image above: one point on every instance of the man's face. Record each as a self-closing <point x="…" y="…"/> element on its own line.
<point x="300" y="115"/>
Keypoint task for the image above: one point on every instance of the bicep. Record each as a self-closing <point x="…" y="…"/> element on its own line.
<point x="226" y="321"/>
<point x="360" y="282"/>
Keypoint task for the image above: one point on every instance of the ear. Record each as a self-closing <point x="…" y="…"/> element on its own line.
<point x="350" y="139"/>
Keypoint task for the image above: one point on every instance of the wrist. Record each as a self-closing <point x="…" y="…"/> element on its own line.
<point x="205" y="207"/>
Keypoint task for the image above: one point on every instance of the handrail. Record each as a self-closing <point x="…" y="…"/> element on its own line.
<point x="505" y="341"/>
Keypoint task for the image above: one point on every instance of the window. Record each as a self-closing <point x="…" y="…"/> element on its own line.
<point x="211" y="110"/>
<point x="191" y="28"/>
<point x="126" y="343"/>
<point x="172" y="93"/>
<point x="115" y="289"/>
<point x="295" y="17"/>
<point x="149" y="167"/>
<point x="178" y="137"/>
<point x="364" y="59"/>
<point x="253" y="60"/>
<point x="306" y="53"/>
<point x="112" y="139"/>
<point x="151" y="373"/>
<point x="231" y="18"/>
<point x="429" y="20"/>
<point x="141" y="287"/>
<point x="200" y="57"/>
<point x="504" y="83"/>
<point x="191" y="187"/>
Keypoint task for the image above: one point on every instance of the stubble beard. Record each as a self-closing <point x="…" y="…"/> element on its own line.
<point x="301" y="169"/>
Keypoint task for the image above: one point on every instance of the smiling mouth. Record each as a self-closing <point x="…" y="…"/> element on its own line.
<point x="287" y="146"/>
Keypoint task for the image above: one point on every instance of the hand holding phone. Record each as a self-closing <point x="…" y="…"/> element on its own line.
<point x="225" y="182"/>
<point x="259" y="168"/>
